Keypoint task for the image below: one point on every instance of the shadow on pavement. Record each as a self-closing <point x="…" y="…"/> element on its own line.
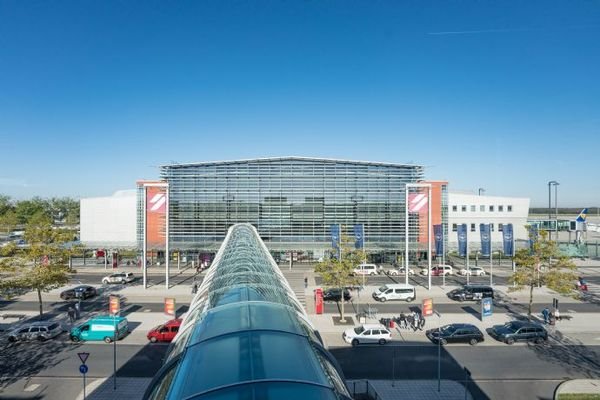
<point x="571" y="354"/>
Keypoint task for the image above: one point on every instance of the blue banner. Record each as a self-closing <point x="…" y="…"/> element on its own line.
<point x="335" y="236"/>
<point x="462" y="239"/>
<point x="438" y="234"/>
<point x="507" y="240"/>
<point x="486" y="307"/>
<point x="533" y="235"/>
<point x="486" y="240"/>
<point x="359" y="236"/>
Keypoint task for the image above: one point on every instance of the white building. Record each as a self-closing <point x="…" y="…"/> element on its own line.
<point x="109" y="221"/>
<point x="471" y="209"/>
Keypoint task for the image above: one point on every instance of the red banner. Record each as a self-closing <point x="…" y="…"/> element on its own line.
<point x="427" y="307"/>
<point x="156" y="207"/>
<point x="319" y="301"/>
<point x="114" y="305"/>
<point x="170" y="306"/>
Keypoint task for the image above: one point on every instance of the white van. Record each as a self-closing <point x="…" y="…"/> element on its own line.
<point x="396" y="291"/>
<point x="366" y="269"/>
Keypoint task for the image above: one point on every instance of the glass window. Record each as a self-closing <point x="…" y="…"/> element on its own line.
<point x="491" y="208"/>
<point x="500" y="227"/>
<point x="455" y="208"/>
<point x="463" y="208"/>
<point x="500" y="208"/>
<point x="472" y="227"/>
<point x="454" y="228"/>
<point x="492" y="227"/>
<point x="482" y="208"/>
<point x="472" y="208"/>
<point x="509" y="208"/>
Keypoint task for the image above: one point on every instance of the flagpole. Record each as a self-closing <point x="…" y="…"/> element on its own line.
<point x="429" y="227"/>
<point x="406" y="233"/>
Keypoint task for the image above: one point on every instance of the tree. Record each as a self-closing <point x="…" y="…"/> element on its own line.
<point x="5" y="204"/>
<point x="543" y="265"/>
<point x="8" y="221"/>
<point x="42" y="265"/>
<point x="338" y="273"/>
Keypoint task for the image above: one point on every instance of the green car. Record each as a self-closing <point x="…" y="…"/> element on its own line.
<point x="100" y="328"/>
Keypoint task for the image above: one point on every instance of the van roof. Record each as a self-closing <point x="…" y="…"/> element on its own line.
<point x="373" y="326"/>
<point x="107" y="318"/>
<point x="399" y="286"/>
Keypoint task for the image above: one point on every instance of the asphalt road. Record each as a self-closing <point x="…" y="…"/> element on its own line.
<point x="494" y="372"/>
<point x="95" y="278"/>
<point x="330" y="307"/>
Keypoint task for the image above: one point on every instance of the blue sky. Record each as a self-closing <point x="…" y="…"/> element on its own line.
<point x="503" y="95"/>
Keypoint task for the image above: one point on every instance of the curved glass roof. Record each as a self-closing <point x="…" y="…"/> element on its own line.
<point x="246" y="335"/>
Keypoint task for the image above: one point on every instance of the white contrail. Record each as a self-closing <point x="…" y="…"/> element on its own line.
<point x="480" y="31"/>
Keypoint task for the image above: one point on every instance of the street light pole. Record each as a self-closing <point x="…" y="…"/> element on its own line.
<point x="550" y="183"/>
<point x="556" y="207"/>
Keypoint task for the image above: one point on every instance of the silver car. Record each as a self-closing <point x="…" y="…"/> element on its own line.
<point x="120" y="277"/>
<point x="40" y="331"/>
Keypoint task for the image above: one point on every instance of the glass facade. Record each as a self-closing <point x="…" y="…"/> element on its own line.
<point x="291" y="201"/>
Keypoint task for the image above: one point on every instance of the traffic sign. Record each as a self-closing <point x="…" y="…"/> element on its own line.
<point x="83" y="369"/>
<point x="83" y="357"/>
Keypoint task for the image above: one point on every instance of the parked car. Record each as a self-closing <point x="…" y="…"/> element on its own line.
<point x="165" y="332"/>
<point x="334" y="294"/>
<point x="40" y="331"/>
<point x="473" y="271"/>
<point x="455" y="333"/>
<point x="471" y="292"/>
<point x="101" y="328"/>
<point x="81" y="291"/>
<point x="438" y="270"/>
<point x="367" y="269"/>
<point x="397" y="291"/>
<point x="367" y="333"/>
<point x="399" y="271"/>
<point x="120" y="277"/>
<point x="519" y="330"/>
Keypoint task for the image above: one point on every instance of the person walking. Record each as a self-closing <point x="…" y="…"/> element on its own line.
<point x="415" y="321"/>
<point x="71" y="314"/>
<point x="556" y="315"/>
<point x="546" y="315"/>
<point x="305" y="282"/>
<point x="194" y="288"/>
<point x="402" y="320"/>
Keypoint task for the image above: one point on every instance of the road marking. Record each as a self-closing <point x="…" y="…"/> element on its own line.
<point x="31" y="387"/>
<point x="147" y="310"/>
<point x="572" y="311"/>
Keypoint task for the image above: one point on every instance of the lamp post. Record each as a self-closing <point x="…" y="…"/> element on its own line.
<point x="550" y="183"/>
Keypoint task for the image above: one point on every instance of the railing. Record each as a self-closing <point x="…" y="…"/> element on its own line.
<point x="364" y="388"/>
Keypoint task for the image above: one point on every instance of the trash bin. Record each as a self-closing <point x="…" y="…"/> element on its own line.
<point x="392" y="324"/>
<point x="362" y="318"/>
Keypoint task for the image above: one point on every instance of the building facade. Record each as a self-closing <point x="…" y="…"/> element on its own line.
<point x="292" y="202"/>
<point x="473" y="210"/>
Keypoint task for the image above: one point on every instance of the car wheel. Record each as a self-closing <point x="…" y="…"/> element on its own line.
<point x="372" y="274"/>
<point x="443" y="342"/>
<point x="354" y="342"/>
<point x="382" y="299"/>
<point x="409" y="299"/>
<point x="74" y="339"/>
<point x="105" y="281"/>
<point x="12" y="339"/>
<point x="382" y="341"/>
<point x="538" y="340"/>
<point x="41" y="339"/>
<point x="510" y="341"/>
<point x="473" y="342"/>
<point x="153" y="339"/>
<point x="107" y="339"/>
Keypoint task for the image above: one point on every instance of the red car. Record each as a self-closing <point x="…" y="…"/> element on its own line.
<point x="165" y="332"/>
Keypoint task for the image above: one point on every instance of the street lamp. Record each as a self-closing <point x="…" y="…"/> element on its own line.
<point x="550" y="184"/>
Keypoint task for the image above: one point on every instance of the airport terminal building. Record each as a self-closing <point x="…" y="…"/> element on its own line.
<point x="292" y="202"/>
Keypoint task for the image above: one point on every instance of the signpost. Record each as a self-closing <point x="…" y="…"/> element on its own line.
<point x="114" y="307"/>
<point x="486" y="307"/>
<point x="83" y="368"/>
<point x="170" y="306"/>
<point x="427" y="307"/>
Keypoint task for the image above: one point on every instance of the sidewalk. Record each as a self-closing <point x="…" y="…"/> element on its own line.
<point x="578" y="386"/>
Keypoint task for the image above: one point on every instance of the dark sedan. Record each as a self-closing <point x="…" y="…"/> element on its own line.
<point x="335" y="295"/>
<point x="82" y="291"/>
<point x="455" y="333"/>
<point x="519" y="331"/>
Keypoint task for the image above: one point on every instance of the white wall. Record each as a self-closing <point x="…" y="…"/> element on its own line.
<point x="517" y="217"/>
<point x="109" y="221"/>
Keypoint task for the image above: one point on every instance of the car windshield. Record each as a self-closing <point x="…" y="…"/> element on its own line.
<point x="449" y="329"/>
<point x="511" y="327"/>
<point x="359" y="329"/>
<point x="383" y="288"/>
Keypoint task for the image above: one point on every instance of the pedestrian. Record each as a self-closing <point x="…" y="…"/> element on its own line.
<point x="402" y="319"/>
<point x="194" y="288"/>
<point x="305" y="282"/>
<point x="421" y="322"/>
<point x="556" y="315"/>
<point x="415" y="321"/>
<point x="546" y="314"/>
<point x="71" y="314"/>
